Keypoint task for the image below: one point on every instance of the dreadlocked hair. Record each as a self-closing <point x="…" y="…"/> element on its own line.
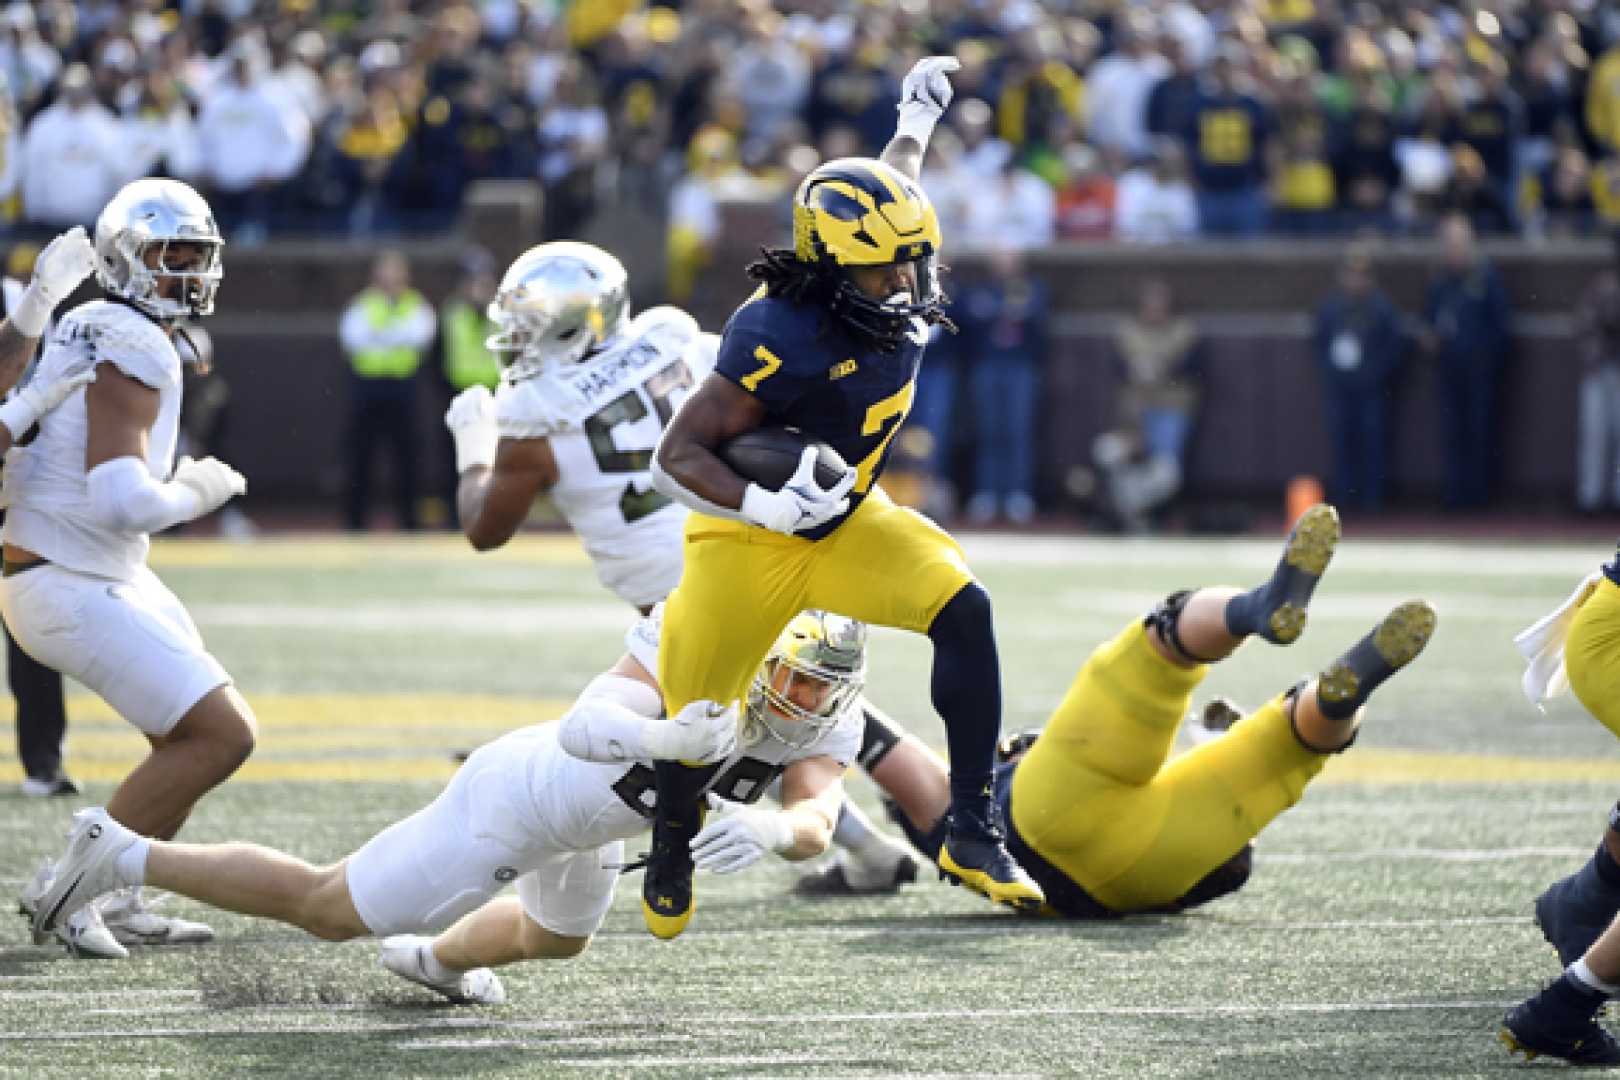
<point x="788" y="277"/>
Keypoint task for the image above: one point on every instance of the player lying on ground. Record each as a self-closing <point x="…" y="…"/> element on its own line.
<point x="84" y="495"/>
<point x="1578" y="645"/>
<point x="545" y="807"/>
<point x="1099" y="816"/>
<point x="585" y="392"/>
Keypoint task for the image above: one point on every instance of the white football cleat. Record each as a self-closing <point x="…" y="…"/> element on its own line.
<point x="133" y="922"/>
<point x="402" y="954"/>
<point x="87" y="937"/>
<point x="85" y="871"/>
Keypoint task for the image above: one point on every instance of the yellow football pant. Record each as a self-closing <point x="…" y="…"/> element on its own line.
<point x="1096" y="798"/>
<point x="1592" y="654"/>
<point x="886" y="565"/>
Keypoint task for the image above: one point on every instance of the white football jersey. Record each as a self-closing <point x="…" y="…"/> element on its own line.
<point x="583" y="804"/>
<point x="49" y="495"/>
<point x="603" y="419"/>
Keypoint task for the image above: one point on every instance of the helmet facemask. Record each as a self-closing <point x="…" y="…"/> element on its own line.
<point x="195" y="265"/>
<point x="158" y="249"/>
<point x="887" y="321"/>
<point x="810" y="678"/>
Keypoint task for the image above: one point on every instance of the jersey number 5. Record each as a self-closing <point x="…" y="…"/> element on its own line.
<point x="891" y="411"/>
<point x="627" y="408"/>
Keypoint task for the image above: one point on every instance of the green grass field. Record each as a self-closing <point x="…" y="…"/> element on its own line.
<point x="1383" y="934"/>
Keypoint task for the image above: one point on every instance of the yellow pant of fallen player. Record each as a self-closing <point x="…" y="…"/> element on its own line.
<point x="1097" y="799"/>
<point x="1592" y="654"/>
<point x="886" y="565"/>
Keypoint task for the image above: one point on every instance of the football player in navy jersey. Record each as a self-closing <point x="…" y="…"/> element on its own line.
<point x="830" y="344"/>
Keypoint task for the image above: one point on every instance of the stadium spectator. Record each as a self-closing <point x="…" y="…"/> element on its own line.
<point x="694" y="207"/>
<point x="300" y="60"/>
<point x="73" y="156"/>
<point x="768" y="74"/>
<point x="1304" y="188"/>
<point x="1004" y="324"/>
<point x="368" y="149"/>
<point x="1472" y="193"/>
<point x="984" y="154"/>
<point x="1119" y="84"/>
<point x="385" y="331"/>
<point x="464" y="331"/>
<point x="253" y="139"/>
<point x="1015" y="208"/>
<point x="1228" y="139"/>
<point x="1155" y="203"/>
<point x="1597" y="473"/>
<point x="160" y="137"/>
<point x="1492" y="123"/>
<point x="1562" y="203"/>
<point x="1358" y="345"/>
<point x="1085" y="201"/>
<point x="1365" y="171"/>
<point x="1465" y="326"/>
<point x="573" y="132"/>
<point x="1171" y="102"/>
<point x="1142" y="458"/>
<point x="857" y="90"/>
<point x="29" y="63"/>
<point x="1603" y="101"/>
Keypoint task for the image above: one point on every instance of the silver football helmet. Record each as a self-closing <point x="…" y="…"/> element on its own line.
<point x="557" y="304"/>
<point x="813" y="673"/>
<point x="134" y="235"/>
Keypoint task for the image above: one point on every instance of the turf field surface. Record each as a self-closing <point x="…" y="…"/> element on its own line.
<point x="1384" y="932"/>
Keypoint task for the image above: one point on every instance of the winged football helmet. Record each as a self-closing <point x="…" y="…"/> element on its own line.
<point x="812" y="674"/>
<point x="155" y="231"/>
<point x="557" y="304"/>
<point x="864" y="212"/>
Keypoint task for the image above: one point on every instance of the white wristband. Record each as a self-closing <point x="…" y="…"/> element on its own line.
<point x="18" y="416"/>
<point x="917" y="121"/>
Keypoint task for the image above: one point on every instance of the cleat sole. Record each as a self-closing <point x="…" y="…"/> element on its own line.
<point x="1287" y="623"/>
<point x="664" y="927"/>
<point x="1404" y="633"/>
<point x="1514" y="1046"/>
<point x="1315" y="536"/>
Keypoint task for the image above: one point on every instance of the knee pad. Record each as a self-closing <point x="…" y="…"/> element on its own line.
<point x="1164" y="617"/>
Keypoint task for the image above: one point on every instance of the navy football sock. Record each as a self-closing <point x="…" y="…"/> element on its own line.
<point x="966" y="688"/>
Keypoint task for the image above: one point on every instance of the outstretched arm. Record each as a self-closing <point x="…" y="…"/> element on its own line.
<point x="65" y="262"/>
<point x="923" y="98"/>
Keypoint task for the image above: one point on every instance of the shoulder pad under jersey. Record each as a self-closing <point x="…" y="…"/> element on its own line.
<point x="128" y="340"/>
<point x="522" y="411"/>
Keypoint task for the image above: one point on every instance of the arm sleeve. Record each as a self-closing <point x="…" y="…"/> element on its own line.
<point x="607" y="722"/>
<point x="124" y="496"/>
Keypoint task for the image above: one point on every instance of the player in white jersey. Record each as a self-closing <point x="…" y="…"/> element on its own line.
<point x="546" y="808"/>
<point x="585" y="393"/>
<point x="84" y="495"/>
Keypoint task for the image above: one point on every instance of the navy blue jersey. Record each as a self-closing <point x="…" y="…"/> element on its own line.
<point x="810" y="374"/>
<point x="1611" y="569"/>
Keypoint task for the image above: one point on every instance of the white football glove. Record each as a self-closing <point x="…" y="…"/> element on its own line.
<point x="471" y="420"/>
<point x="214" y="481"/>
<point x="65" y="262"/>
<point x="737" y="837"/>
<point x="802" y="504"/>
<point x="703" y="732"/>
<point x="924" y="96"/>
<point x="39" y="397"/>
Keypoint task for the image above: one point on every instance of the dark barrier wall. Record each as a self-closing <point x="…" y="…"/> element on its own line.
<point x="276" y="334"/>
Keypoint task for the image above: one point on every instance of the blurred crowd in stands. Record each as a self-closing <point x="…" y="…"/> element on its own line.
<point x="1074" y="119"/>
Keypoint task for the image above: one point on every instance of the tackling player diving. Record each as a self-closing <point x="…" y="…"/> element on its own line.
<point x="830" y="344"/>
<point x="544" y="808"/>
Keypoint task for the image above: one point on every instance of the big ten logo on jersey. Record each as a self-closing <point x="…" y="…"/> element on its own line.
<point x="743" y="781"/>
<point x="619" y="448"/>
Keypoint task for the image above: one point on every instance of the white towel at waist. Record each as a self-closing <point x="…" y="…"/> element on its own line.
<point x="1542" y="645"/>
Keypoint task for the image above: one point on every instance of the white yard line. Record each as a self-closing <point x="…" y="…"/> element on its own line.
<point x="710" y="1020"/>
